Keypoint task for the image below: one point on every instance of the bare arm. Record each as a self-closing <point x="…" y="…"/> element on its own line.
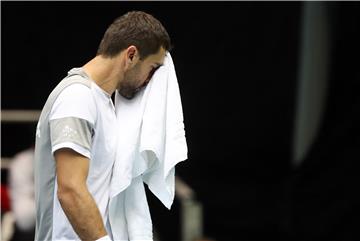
<point x="75" y="199"/>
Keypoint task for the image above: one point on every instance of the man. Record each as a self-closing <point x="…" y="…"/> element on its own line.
<point x="76" y="140"/>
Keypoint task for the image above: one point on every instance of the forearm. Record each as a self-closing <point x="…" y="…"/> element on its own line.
<point x="83" y="213"/>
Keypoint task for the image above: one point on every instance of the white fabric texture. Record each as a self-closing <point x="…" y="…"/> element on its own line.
<point x="79" y="101"/>
<point x="151" y="142"/>
<point x="75" y="101"/>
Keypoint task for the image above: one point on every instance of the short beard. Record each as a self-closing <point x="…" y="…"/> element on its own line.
<point x="127" y="92"/>
<point x="126" y="88"/>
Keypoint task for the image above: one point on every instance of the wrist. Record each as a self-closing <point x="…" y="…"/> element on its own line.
<point x="105" y="238"/>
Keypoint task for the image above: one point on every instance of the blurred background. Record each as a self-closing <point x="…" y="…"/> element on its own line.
<point x="270" y="94"/>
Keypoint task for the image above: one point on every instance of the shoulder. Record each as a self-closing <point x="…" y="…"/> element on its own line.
<point x="75" y="100"/>
<point x="75" y="91"/>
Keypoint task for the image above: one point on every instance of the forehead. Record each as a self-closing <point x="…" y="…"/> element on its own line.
<point x="157" y="58"/>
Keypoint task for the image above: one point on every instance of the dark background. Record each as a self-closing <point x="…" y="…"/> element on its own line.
<point x="237" y="65"/>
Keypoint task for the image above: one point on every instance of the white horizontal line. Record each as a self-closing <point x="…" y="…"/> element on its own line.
<point x="20" y="115"/>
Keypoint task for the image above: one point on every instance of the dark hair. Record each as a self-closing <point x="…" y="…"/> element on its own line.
<point x="134" y="28"/>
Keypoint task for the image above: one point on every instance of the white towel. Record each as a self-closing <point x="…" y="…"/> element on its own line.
<point x="151" y="142"/>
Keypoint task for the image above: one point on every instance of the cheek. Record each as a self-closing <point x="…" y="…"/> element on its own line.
<point x="132" y="77"/>
<point x="136" y="77"/>
<point x="143" y="74"/>
<point x="142" y="77"/>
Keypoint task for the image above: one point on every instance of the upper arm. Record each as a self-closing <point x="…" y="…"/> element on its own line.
<point x="71" y="121"/>
<point x="71" y="169"/>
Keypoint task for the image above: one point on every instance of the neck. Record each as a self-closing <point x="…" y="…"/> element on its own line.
<point x="103" y="72"/>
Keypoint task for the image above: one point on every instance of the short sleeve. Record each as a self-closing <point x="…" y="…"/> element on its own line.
<point x="72" y="120"/>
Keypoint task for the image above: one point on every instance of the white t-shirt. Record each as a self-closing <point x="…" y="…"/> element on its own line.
<point x="84" y="120"/>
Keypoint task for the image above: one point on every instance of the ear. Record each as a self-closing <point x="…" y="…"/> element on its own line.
<point x="132" y="55"/>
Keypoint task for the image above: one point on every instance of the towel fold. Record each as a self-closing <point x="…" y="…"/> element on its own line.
<point x="151" y="142"/>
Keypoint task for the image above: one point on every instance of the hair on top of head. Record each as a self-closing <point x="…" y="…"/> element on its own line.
<point x="134" y="28"/>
